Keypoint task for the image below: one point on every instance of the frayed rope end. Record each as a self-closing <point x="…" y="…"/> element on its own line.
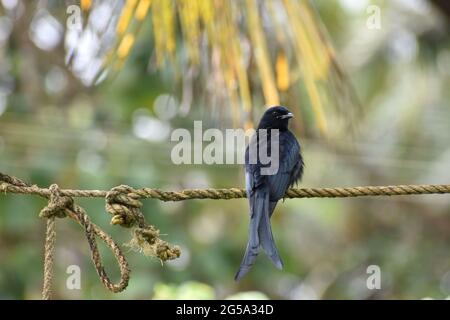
<point x="146" y="240"/>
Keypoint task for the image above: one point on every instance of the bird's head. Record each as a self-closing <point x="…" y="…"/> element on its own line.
<point x="275" y="118"/>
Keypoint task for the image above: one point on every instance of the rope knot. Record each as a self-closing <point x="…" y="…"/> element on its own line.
<point x="57" y="204"/>
<point x="123" y="204"/>
<point x="148" y="242"/>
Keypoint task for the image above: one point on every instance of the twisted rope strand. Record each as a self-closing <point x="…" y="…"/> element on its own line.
<point x="91" y="230"/>
<point x="236" y="193"/>
<point x="50" y="238"/>
<point x="60" y="205"/>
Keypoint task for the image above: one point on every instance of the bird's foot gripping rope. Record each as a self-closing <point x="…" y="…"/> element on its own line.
<point x="124" y="207"/>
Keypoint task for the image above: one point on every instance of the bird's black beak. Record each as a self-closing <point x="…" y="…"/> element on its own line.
<point x="287" y="116"/>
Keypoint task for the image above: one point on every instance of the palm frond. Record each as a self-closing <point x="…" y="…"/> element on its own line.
<point x="257" y="53"/>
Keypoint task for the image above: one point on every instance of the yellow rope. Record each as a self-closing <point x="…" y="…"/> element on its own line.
<point x="122" y="202"/>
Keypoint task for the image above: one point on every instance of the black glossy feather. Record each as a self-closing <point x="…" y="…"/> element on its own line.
<point x="264" y="191"/>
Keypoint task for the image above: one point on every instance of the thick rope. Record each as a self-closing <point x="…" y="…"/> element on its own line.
<point x="50" y="238"/>
<point x="62" y="206"/>
<point x="55" y="208"/>
<point x="126" y="213"/>
<point x="233" y="193"/>
<point x="122" y="202"/>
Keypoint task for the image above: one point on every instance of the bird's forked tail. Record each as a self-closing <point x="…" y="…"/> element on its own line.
<point x="260" y="234"/>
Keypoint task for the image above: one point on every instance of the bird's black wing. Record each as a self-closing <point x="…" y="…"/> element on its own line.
<point x="263" y="193"/>
<point x="290" y="166"/>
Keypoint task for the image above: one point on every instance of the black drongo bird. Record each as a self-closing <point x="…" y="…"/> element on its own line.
<point x="265" y="188"/>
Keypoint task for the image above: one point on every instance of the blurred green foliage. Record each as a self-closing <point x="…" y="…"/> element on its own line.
<point x="55" y="130"/>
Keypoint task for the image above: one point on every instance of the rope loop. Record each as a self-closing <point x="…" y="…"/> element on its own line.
<point x="91" y="231"/>
<point x="60" y="205"/>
